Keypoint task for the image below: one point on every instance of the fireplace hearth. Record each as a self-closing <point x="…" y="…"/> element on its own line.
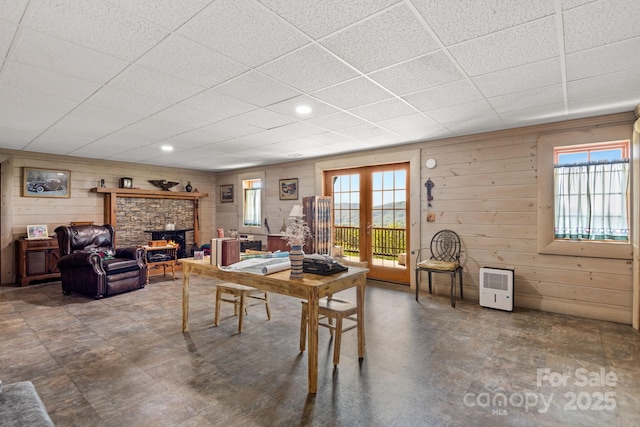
<point x="178" y="236"/>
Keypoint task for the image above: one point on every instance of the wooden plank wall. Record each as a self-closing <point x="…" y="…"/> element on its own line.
<point x="83" y="205"/>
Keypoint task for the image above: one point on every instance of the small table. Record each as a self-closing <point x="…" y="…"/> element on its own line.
<point x="311" y="288"/>
<point x="166" y="256"/>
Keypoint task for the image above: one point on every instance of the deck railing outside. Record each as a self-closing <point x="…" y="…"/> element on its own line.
<point x="386" y="242"/>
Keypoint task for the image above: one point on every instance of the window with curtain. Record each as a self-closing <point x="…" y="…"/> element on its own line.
<point x="591" y="191"/>
<point x="252" y="203"/>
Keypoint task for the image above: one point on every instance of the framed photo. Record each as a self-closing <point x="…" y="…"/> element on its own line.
<point x="35" y="232"/>
<point x="289" y="189"/>
<point x="226" y="193"/>
<point x="46" y="183"/>
<point x="198" y="255"/>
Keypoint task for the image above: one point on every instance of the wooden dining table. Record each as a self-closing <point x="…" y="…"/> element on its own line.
<point x="311" y="288"/>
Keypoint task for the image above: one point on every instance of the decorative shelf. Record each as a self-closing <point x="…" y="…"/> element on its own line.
<point x="151" y="194"/>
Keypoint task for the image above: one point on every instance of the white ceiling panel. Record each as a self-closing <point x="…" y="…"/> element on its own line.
<point x="245" y="31"/>
<point x="516" y="79"/>
<point x="12" y="10"/>
<point x="531" y="42"/>
<point x="607" y="59"/>
<point x="353" y="93"/>
<point x="257" y="89"/>
<point x="427" y="71"/>
<point x="47" y="82"/>
<point x="95" y="24"/>
<point x="319" y="18"/>
<point x="221" y="80"/>
<point x="308" y="69"/>
<point x="455" y="22"/>
<point x="385" y="39"/>
<point x="44" y="51"/>
<point x="188" y="60"/>
<point x="459" y="92"/>
<point x="599" y="23"/>
<point x="384" y="110"/>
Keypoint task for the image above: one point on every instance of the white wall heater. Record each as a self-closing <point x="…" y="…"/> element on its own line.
<point x="496" y="288"/>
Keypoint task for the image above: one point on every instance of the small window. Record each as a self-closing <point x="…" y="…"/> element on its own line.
<point x="252" y="203"/>
<point x="591" y="184"/>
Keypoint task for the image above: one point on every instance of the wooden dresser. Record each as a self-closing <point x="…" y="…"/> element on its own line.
<point x="36" y="260"/>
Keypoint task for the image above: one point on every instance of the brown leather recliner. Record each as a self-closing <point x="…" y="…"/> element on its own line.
<point x="89" y="264"/>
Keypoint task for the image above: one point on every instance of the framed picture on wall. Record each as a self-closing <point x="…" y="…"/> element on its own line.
<point x="226" y="193"/>
<point x="46" y="183"/>
<point x="289" y="189"/>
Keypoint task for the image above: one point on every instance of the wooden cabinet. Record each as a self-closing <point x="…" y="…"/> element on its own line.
<point x="36" y="260"/>
<point x="275" y="242"/>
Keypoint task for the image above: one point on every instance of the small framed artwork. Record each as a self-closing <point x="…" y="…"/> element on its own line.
<point x="226" y="193"/>
<point x="46" y="183"/>
<point x="35" y="232"/>
<point x="289" y="189"/>
<point x="198" y="255"/>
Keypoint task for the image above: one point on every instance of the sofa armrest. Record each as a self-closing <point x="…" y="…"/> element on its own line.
<point x="80" y="259"/>
<point x="131" y="253"/>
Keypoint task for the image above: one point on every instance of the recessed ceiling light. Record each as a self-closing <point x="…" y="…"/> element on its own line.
<point x="303" y="109"/>
<point x="167" y="148"/>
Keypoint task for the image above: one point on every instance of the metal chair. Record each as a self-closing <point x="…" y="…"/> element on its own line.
<point x="445" y="258"/>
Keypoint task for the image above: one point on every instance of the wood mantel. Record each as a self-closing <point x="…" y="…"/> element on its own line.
<point x="112" y="194"/>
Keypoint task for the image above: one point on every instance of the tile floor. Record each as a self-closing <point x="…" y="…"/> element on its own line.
<point x="123" y="361"/>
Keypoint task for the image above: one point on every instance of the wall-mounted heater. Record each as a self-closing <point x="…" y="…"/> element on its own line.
<point x="496" y="288"/>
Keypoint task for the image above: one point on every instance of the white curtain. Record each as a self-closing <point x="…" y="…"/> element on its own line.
<point x="252" y="207"/>
<point x="591" y="201"/>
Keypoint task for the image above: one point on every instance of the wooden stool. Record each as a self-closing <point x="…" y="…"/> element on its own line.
<point x="238" y="297"/>
<point x="329" y="309"/>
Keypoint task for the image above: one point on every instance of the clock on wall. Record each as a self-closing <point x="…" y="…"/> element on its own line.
<point x="126" y="183"/>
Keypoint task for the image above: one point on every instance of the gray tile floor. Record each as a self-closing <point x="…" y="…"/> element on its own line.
<point x="123" y="361"/>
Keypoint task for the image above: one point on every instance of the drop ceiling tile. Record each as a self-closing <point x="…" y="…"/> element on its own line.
<point x="318" y="19"/>
<point x="245" y="31"/>
<point x="336" y="121"/>
<point x="12" y="10"/>
<point x="288" y="107"/>
<point x="95" y="24"/>
<point x="193" y="139"/>
<point x="604" y="104"/>
<point x="153" y="129"/>
<point x="383" y="110"/>
<point x="599" y="23"/>
<point x="363" y="131"/>
<point x="454" y="23"/>
<point x="44" y="51"/>
<point x="570" y="4"/>
<point x="353" y="93"/>
<point x="7" y="31"/>
<point x="128" y="138"/>
<point x="420" y="73"/>
<point x="308" y="69"/>
<point x="285" y="133"/>
<point x="257" y="89"/>
<point x="218" y="105"/>
<point x="531" y="42"/>
<point x="123" y="100"/>
<point x="615" y="83"/>
<point x="476" y="124"/>
<point x="47" y="82"/>
<point x="188" y="60"/>
<point x="459" y="92"/>
<point x="93" y="122"/>
<point x="528" y="99"/>
<point x="56" y="142"/>
<point x="385" y="140"/>
<point x="523" y="77"/>
<point x="249" y="123"/>
<point x="169" y="14"/>
<point x="15" y="138"/>
<point x="607" y="59"/>
<point x="461" y="112"/>
<point x="387" y="38"/>
<point x="180" y="114"/>
<point x="416" y="127"/>
<point x="154" y="84"/>
<point x="535" y="116"/>
<point x="328" y="138"/>
<point x="23" y="109"/>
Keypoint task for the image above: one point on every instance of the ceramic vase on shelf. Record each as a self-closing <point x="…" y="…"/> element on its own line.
<point x="188" y="187"/>
<point x="296" y="256"/>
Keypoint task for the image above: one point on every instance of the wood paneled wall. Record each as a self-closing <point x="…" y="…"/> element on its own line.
<point x="83" y="205"/>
